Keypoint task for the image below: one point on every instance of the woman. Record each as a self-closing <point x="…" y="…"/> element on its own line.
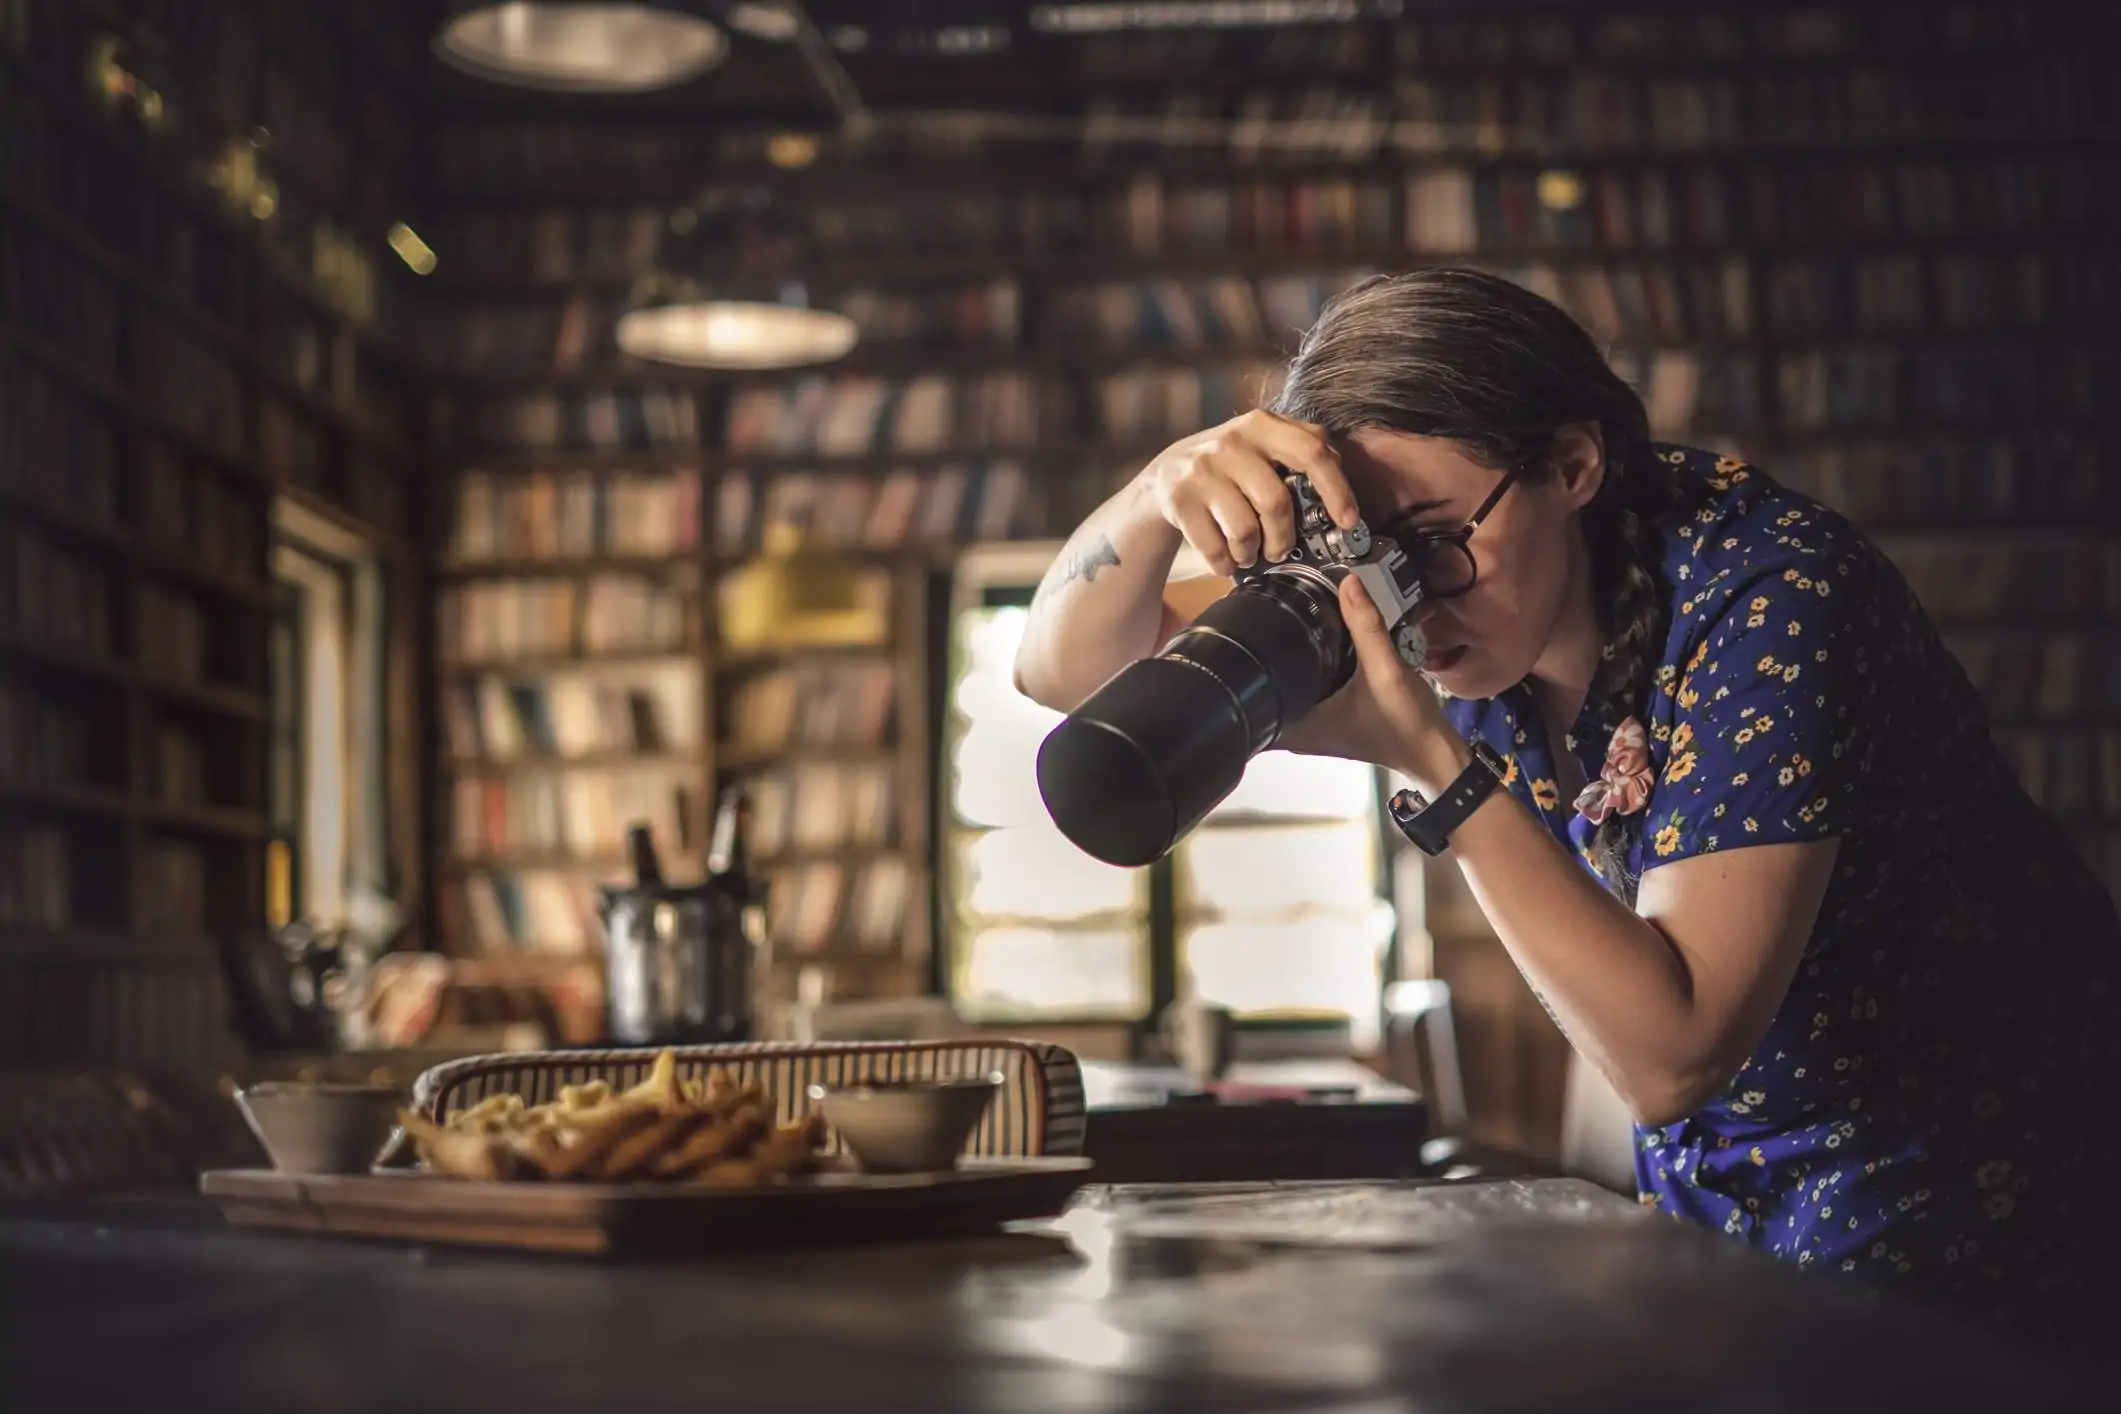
<point x="1757" y="853"/>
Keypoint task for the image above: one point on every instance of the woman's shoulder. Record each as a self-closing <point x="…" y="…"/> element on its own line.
<point x="1736" y="531"/>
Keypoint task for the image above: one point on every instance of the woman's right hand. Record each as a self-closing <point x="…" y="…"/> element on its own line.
<point x="1220" y="490"/>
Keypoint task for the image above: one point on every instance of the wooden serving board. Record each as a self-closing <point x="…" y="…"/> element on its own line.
<point x="641" y="1219"/>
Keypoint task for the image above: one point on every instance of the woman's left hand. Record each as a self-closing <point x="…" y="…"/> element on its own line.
<point x="1387" y="715"/>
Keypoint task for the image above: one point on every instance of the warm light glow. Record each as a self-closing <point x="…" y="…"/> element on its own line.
<point x="415" y="252"/>
<point x="736" y="334"/>
<point x="792" y="150"/>
<point x="585" y="46"/>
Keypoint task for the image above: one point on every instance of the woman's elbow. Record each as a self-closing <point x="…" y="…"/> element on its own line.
<point x="1667" y="1098"/>
<point x="1040" y="686"/>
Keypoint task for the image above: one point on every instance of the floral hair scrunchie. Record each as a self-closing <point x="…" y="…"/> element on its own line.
<point x="1623" y="783"/>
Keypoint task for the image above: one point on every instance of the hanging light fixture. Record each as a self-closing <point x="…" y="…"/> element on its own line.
<point x="728" y="291"/>
<point x="581" y="46"/>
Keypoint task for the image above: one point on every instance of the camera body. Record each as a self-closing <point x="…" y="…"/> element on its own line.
<point x="1376" y="562"/>
<point x="1145" y="757"/>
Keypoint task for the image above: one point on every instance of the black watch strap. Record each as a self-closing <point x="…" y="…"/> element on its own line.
<point x="1430" y="826"/>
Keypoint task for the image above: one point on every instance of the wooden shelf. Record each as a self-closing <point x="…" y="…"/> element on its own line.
<point x="103" y="387"/>
<point x="827" y="854"/>
<point x="147" y="555"/>
<point x="558" y="663"/>
<point x="591" y="761"/>
<point x="521" y="860"/>
<point x="736" y="757"/>
<point x="63" y="656"/>
<point x="751" y="659"/>
<point x="70" y="797"/>
<point x="573" y="566"/>
<point x="240" y="703"/>
<point x="90" y="943"/>
<point x="206" y="820"/>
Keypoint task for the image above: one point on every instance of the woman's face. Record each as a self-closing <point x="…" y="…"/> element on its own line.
<point x="1487" y="640"/>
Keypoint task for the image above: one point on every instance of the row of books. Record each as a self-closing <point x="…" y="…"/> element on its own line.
<point x="495" y="911"/>
<point x="1163" y="403"/>
<point x="945" y="505"/>
<point x="821" y="703"/>
<point x="172" y="890"/>
<point x="1616" y="111"/>
<point x="1192" y="314"/>
<point x="198" y="512"/>
<point x="855" y="413"/>
<point x="629" y="418"/>
<point x="1449" y="208"/>
<point x="1971" y="580"/>
<point x="1980" y="481"/>
<point x="191" y="383"/>
<point x="573" y="514"/>
<point x="56" y="447"/>
<point x="1467" y="208"/>
<point x="1692" y="36"/>
<point x="36" y="875"/>
<point x="609" y="243"/>
<point x="647" y="708"/>
<point x="822" y="805"/>
<point x="1589" y="111"/>
<point x="171" y="634"/>
<point x="50" y="593"/>
<point x="2071" y="772"/>
<point x="41" y="740"/>
<point x="821" y="905"/>
<point x="176" y="764"/>
<point x="1908" y="291"/>
<point x="539" y="617"/>
<point x="2049" y="675"/>
<point x="1943" y="387"/>
<point x="291" y="445"/>
<point x="1669" y="302"/>
<point x="581" y="813"/>
<point x="987" y="313"/>
<point x="49" y="291"/>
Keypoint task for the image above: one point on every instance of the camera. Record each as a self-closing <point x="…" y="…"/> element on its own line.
<point x="1142" y="760"/>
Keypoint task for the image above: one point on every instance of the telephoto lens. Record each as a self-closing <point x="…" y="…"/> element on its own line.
<point x="1151" y="752"/>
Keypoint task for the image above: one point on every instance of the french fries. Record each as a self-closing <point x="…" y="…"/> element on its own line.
<point x="661" y="1130"/>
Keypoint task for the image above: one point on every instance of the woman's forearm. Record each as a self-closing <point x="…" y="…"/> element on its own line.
<point x="1100" y="605"/>
<point x="1610" y="978"/>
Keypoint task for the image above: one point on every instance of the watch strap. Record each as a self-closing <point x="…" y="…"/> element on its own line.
<point x="1430" y="825"/>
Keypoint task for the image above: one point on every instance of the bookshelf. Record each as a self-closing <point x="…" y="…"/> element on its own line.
<point x="177" y="350"/>
<point x="1869" y="248"/>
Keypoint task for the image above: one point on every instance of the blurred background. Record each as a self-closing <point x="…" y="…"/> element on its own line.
<point x="434" y="437"/>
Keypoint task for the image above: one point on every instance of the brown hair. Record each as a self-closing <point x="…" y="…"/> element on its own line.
<point x="1470" y="356"/>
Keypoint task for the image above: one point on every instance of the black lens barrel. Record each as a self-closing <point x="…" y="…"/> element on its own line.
<point x="1166" y="739"/>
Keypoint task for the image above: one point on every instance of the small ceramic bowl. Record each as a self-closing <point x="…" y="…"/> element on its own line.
<point x="320" y="1128"/>
<point x="907" y="1126"/>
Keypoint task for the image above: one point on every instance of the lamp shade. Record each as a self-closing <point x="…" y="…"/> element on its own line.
<point x="580" y="46"/>
<point x="729" y="292"/>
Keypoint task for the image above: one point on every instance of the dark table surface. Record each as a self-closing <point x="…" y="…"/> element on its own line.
<point x="1359" y="1298"/>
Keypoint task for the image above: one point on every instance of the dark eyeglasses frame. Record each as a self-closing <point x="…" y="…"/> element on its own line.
<point x="1461" y="537"/>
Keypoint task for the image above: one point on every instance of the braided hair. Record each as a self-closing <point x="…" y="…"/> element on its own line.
<point x="1469" y="356"/>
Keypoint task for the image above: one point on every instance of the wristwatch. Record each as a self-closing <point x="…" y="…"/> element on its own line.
<point x="1430" y="826"/>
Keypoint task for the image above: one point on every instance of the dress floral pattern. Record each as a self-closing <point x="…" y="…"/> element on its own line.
<point x="1927" y="1104"/>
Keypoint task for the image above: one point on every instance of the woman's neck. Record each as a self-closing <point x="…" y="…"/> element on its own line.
<point x="1561" y="678"/>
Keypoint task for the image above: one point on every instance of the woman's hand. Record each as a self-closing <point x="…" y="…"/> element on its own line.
<point x="1220" y="490"/>
<point x="1388" y="714"/>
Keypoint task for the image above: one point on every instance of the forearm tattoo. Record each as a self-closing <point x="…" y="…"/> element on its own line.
<point x="1083" y="564"/>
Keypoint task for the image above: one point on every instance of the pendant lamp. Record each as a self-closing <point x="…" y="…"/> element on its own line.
<point x="728" y="291"/>
<point x="581" y="46"/>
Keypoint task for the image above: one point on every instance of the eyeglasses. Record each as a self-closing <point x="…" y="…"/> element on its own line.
<point x="1443" y="559"/>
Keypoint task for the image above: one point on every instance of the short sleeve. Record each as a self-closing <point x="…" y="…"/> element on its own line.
<point x="1764" y="723"/>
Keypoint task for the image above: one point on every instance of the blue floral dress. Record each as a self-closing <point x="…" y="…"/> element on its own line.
<point x="1926" y="1106"/>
